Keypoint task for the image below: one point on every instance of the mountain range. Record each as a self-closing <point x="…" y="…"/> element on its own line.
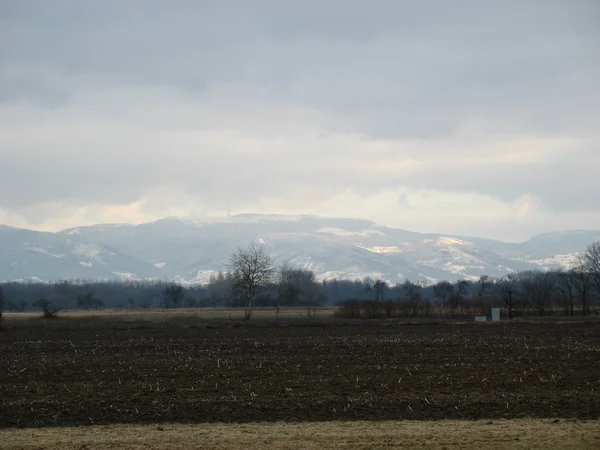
<point x="190" y="250"/>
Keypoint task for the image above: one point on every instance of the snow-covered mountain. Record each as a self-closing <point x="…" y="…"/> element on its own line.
<point x="190" y="250"/>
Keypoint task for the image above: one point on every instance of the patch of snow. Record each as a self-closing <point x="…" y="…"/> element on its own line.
<point x="305" y="262"/>
<point x="43" y="251"/>
<point x="160" y="265"/>
<point x="90" y="251"/>
<point x="126" y="276"/>
<point x="451" y="241"/>
<point x="73" y="231"/>
<point x="429" y="280"/>
<point x="348" y="275"/>
<point x="453" y="269"/>
<point x="85" y="263"/>
<point x="562" y="261"/>
<point x="31" y="279"/>
<point x="382" y="250"/>
<point x="203" y="276"/>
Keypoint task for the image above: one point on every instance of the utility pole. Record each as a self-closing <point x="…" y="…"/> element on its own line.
<point x="509" y="303"/>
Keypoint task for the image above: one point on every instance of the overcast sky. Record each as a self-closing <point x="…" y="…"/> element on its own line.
<point x="468" y="117"/>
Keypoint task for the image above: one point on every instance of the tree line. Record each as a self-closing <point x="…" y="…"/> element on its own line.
<point x="252" y="279"/>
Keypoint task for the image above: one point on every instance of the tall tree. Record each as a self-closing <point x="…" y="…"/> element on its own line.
<point x="252" y="270"/>
<point x="368" y="284"/>
<point x="412" y="290"/>
<point x="2" y="303"/>
<point x="88" y="300"/>
<point x="219" y="289"/>
<point x="173" y="295"/>
<point x="567" y="286"/>
<point x="539" y="286"/>
<point x="591" y="260"/>
<point x="583" y="283"/>
<point x="484" y="281"/>
<point x="444" y="291"/>
<point x="379" y="288"/>
<point x="296" y="286"/>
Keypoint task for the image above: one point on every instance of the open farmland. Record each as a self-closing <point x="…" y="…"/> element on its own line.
<point x="464" y="434"/>
<point x="66" y="375"/>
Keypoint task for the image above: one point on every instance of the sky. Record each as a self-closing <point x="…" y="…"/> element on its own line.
<point x="467" y="117"/>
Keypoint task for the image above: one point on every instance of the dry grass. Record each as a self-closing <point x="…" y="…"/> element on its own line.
<point x="524" y="433"/>
<point x="149" y="315"/>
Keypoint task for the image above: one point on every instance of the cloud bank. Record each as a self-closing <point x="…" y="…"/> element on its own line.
<point x="464" y="117"/>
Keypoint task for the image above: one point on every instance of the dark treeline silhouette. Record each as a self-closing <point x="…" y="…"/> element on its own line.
<point x="252" y="280"/>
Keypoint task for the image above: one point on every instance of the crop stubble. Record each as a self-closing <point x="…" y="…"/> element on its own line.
<point x="60" y="377"/>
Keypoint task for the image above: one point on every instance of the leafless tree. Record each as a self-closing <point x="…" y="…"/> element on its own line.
<point x="48" y="309"/>
<point x="379" y="288"/>
<point x="459" y="294"/>
<point x="591" y="259"/>
<point x="252" y="271"/>
<point x="461" y="288"/>
<point x="296" y="285"/>
<point x="368" y="284"/>
<point x="567" y="286"/>
<point x="583" y="283"/>
<point x="538" y="286"/>
<point x="444" y="291"/>
<point x="2" y="304"/>
<point x="413" y="292"/>
<point x="173" y="295"/>
<point x="219" y="288"/>
<point x="484" y="281"/>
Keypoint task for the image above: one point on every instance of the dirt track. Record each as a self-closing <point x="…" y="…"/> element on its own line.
<point x="179" y="374"/>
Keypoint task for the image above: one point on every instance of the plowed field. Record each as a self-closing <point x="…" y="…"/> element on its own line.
<point x="57" y="376"/>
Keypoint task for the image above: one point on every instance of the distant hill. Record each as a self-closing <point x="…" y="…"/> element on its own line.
<point x="189" y="250"/>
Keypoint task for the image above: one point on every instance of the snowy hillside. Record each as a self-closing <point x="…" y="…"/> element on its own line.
<point x="190" y="250"/>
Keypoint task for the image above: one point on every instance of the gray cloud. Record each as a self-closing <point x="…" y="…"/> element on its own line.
<point x="253" y="102"/>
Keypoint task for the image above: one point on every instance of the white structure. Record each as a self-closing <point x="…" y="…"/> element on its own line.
<point x="495" y="314"/>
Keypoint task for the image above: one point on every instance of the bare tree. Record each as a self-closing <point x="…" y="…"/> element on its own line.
<point x="459" y="294"/>
<point x="444" y="291"/>
<point x="484" y="281"/>
<point x="173" y="295"/>
<point x="379" y="288"/>
<point x="538" y="286"/>
<point x="461" y="288"/>
<point x="252" y="271"/>
<point x="368" y="284"/>
<point x="296" y="285"/>
<point x="219" y="288"/>
<point x="2" y="304"/>
<point x="288" y="289"/>
<point x="89" y="301"/>
<point x="583" y="283"/>
<point x="413" y="292"/>
<point x="48" y="309"/>
<point x="567" y="286"/>
<point x="591" y="260"/>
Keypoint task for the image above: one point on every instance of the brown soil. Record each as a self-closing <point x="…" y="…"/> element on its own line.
<point x="464" y="434"/>
<point x="183" y="374"/>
